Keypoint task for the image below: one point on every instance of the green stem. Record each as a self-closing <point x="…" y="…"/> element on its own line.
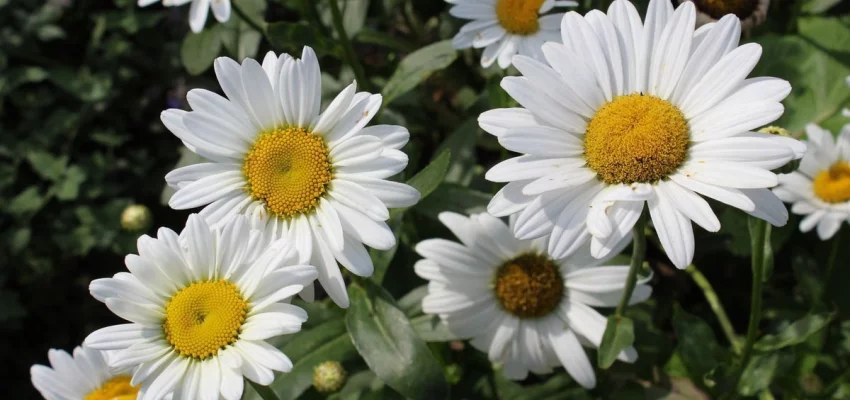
<point x="638" y="255"/>
<point x="714" y="302"/>
<point x="264" y="391"/>
<point x="758" y="234"/>
<point x="350" y="56"/>
<point x="248" y="20"/>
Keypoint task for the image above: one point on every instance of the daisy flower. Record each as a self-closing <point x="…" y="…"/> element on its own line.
<point x="198" y="11"/>
<point x="85" y="375"/>
<point x="633" y="113"/>
<point x="200" y="307"/>
<point x="316" y="178"/>
<point x="820" y="188"/>
<point x="504" y="28"/>
<point x="527" y="310"/>
<point x="751" y="12"/>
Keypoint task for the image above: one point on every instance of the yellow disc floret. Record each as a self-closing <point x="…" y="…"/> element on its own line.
<point x="636" y="138"/>
<point x="833" y="185"/>
<point x="289" y="170"/>
<point x="204" y="317"/>
<point x="519" y="17"/>
<point x="529" y="286"/>
<point x="117" y="388"/>
<point x="718" y="8"/>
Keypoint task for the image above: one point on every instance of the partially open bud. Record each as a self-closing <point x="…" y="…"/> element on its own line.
<point x="328" y="377"/>
<point x="136" y="218"/>
<point x="796" y="146"/>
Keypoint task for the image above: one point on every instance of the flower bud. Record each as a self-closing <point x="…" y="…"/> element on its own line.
<point x="329" y="377"/>
<point x="792" y="165"/>
<point x="136" y="218"/>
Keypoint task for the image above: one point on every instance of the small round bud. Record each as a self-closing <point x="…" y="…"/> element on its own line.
<point x="328" y="377"/>
<point x="792" y="165"/>
<point x="136" y="218"/>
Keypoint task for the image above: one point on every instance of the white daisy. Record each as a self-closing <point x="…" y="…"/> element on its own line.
<point x="83" y="376"/>
<point x="504" y="28"/>
<point x="525" y="309"/>
<point x="318" y="179"/>
<point x="820" y="188"/>
<point x="201" y="306"/>
<point x="198" y="10"/>
<point x="751" y="12"/>
<point x="632" y="113"/>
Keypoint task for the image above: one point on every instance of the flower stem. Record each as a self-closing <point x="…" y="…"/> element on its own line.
<point x="758" y="235"/>
<point x="714" y="302"/>
<point x="264" y="391"/>
<point x="350" y="56"/>
<point x="638" y="255"/>
<point x="248" y="20"/>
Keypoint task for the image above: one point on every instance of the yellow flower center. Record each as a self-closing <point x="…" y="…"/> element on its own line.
<point x="718" y="8"/>
<point x="289" y="170"/>
<point x="519" y="17"/>
<point x="117" y="388"/>
<point x="636" y="138"/>
<point x="529" y="286"/>
<point x="833" y="185"/>
<point x="204" y="317"/>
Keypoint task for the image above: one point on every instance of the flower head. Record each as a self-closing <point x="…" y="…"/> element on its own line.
<point x="316" y="178"/>
<point x="504" y="28"/>
<point x="83" y="375"/>
<point x="200" y="307"/>
<point x="527" y="310"/>
<point x="627" y="114"/>
<point x="820" y="188"/>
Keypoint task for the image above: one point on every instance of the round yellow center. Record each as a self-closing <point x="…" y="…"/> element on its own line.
<point x="519" y="17"/>
<point x="117" y="388"/>
<point x="529" y="286"/>
<point x="833" y="185"/>
<point x="204" y="317"/>
<point x="289" y="170"/>
<point x="636" y="138"/>
<point x="718" y="8"/>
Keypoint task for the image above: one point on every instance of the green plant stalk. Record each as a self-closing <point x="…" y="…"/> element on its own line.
<point x="264" y="391"/>
<point x="638" y="255"/>
<point x="758" y="234"/>
<point x="248" y="20"/>
<point x="714" y="302"/>
<point x="350" y="57"/>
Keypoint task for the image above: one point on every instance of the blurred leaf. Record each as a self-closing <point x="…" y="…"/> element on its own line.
<point x="353" y="15"/>
<point x="461" y="144"/>
<point x="430" y="329"/>
<point x="381" y="259"/>
<point x="82" y="84"/>
<point x="697" y="345"/>
<point x="455" y="198"/>
<point x="308" y="349"/>
<point x="758" y="374"/>
<point x="429" y="178"/>
<point x="47" y="165"/>
<point x="28" y="201"/>
<point x="418" y="66"/>
<point x="293" y="36"/>
<point x="369" y="36"/>
<point x="20" y="239"/>
<point x="19" y="76"/>
<point x="619" y="334"/>
<point x="411" y="303"/>
<point x="388" y="343"/>
<point x="200" y="49"/>
<point x="796" y="333"/>
<point x="818" y="6"/>
<point x="10" y="307"/>
<point x="238" y="37"/>
<point x="69" y="187"/>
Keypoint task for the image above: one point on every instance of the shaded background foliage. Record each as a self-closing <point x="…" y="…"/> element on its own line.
<point x="82" y="83"/>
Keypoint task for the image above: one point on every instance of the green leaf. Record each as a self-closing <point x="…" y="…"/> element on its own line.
<point x="430" y="329"/>
<point x="697" y="345"/>
<point x="389" y="345"/>
<point x="796" y="333"/>
<point x="381" y="259"/>
<point x="47" y="165"/>
<point x="461" y="144"/>
<point x="292" y="36"/>
<point x="619" y="334"/>
<point x="20" y="239"/>
<point x="455" y="198"/>
<point x="353" y="15"/>
<point x="411" y="303"/>
<point x="818" y="6"/>
<point x="28" y="201"/>
<point x="426" y="180"/>
<point x="69" y="187"/>
<point x="200" y="49"/>
<point x="308" y="349"/>
<point x="758" y="374"/>
<point x="393" y="42"/>
<point x="239" y="38"/>
<point x="418" y="66"/>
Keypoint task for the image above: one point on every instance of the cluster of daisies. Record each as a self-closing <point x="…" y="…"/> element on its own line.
<point x="616" y="114"/>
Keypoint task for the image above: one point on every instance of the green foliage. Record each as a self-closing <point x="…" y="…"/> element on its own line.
<point x="619" y="334"/>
